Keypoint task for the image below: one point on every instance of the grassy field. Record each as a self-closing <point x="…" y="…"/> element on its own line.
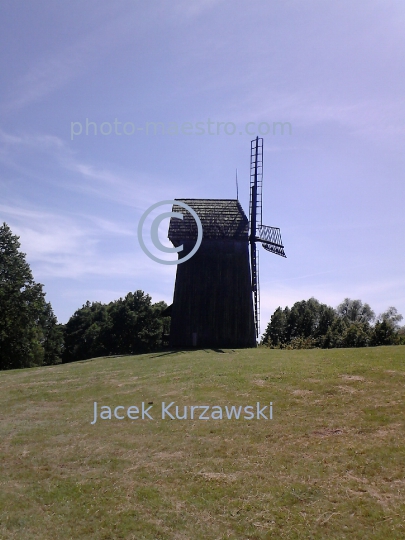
<point x="330" y="464"/>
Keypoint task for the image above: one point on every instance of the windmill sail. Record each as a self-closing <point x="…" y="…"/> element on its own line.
<point x="255" y="211"/>
<point x="269" y="237"/>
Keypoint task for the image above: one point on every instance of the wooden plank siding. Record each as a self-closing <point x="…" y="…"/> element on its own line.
<point x="212" y="303"/>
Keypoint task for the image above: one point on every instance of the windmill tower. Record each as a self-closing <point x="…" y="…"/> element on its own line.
<point x="216" y="301"/>
<point x="212" y="302"/>
<point x="269" y="237"/>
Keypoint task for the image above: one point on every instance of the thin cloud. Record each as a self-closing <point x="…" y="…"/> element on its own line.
<point x="72" y="246"/>
<point x="130" y="189"/>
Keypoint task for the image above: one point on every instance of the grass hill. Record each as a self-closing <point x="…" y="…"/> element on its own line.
<point x="330" y="464"/>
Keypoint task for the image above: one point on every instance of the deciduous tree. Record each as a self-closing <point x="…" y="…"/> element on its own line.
<point x="29" y="334"/>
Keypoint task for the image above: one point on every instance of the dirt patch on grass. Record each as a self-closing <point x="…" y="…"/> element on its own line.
<point x="347" y="389"/>
<point x="365" y="487"/>
<point x="259" y="382"/>
<point x="327" y="432"/>
<point x="393" y="429"/>
<point x="301" y="392"/>
<point x="352" y="378"/>
<point x="169" y="455"/>
<point x="218" y="476"/>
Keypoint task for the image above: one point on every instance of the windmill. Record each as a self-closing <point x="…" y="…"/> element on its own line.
<point x="216" y="293"/>
<point x="269" y="237"/>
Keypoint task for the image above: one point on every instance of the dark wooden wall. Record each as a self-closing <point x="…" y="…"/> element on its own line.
<point x="213" y="297"/>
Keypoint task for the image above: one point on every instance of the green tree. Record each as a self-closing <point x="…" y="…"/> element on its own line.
<point x="401" y="335"/>
<point x="309" y="319"/>
<point x="386" y="330"/>
<point x="304" y="325"/>
<point x="130" y="325"/>
<point x="29" y="334"/>
<point x="275" y="331"/>
<point x="135" y="324"/>
<point x="392" y="317"/>
<point x="354" y="328"/>
<point x="85" y="333"/>
<point x="326" y="317"/>
<point x="356" y="334"/>
<point x="355" y="311"/>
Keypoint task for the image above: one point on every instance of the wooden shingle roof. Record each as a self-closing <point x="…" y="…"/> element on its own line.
<point x="220" y="219"/>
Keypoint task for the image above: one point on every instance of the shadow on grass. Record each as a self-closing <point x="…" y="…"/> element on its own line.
<point x="168" y="353"/>
<point x="191" y="349"/>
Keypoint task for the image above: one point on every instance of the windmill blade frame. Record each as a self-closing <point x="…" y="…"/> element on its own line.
<point x="269" y="237"/>
<point x="255" y="218"/>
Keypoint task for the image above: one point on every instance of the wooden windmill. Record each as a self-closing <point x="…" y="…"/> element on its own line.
<point x="216" y="295"/>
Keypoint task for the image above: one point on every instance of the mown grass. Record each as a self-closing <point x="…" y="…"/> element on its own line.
<point x="329" y="465"/>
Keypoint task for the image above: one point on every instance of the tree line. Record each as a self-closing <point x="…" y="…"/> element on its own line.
<point x="31" y="336"/>
<point x="130" y="325"/>
<point x="310" y="323"/>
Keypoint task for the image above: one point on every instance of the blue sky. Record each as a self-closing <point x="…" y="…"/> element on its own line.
<point x="334" y="185"/>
